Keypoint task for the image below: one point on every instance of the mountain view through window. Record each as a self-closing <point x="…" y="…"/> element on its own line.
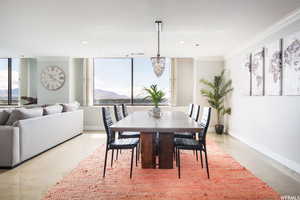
<point x="122" y="80"/>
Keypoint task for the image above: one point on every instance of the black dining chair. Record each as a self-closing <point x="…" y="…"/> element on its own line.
<point x="198" y="144"/>
<point x="124" y="110"/>
<point x="196" y="112"/>
<point x="118" y="116"/>
<point x="195" y="115"/>
<point x="112" y="143"/>
<point x="190" y="111"/>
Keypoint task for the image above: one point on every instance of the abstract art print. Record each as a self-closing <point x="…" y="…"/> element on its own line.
<point x="273" y="69"/>
<point x="246" y="74"/>
<point x="291" y="65"/>
<point x="257" y="73"/>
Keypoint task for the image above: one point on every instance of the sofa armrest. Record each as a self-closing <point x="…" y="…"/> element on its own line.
<point x="9" y="146"/>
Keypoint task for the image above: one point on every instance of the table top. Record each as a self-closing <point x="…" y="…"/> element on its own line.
<point x="170" y="121"/>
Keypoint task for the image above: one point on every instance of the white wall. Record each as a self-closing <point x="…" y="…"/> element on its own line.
<point x="205" y="69"/>
<point x="59" y="96"/>
<point x="28" y="78"/>
<point x="32" y="77"/>
<point x="269" y="124"/>
<point x="184" y="81"/>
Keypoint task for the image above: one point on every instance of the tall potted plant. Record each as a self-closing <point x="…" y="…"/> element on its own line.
<point x="215" y="93"/>
<point x="156" y="96"/>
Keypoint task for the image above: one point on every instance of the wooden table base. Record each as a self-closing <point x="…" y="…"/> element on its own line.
<point x="165" y="150"/>
<point x="166" y="145"/>
<point x="148" y="150"/>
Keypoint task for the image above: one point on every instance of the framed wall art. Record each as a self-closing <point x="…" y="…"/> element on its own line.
<point x="257" y="73"/>
<point x="273" y="68"/>
<point x="291" y="64"/>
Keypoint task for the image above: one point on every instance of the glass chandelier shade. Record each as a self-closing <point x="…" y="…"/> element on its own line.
<point x="158" y="63"/>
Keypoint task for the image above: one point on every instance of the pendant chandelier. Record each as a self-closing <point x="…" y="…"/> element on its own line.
<point x="158" y="63"/>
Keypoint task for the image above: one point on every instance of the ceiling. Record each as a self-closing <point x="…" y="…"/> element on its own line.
<point x="120" y="27"/>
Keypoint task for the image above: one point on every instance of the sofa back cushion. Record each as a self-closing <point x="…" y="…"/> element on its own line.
<point x="23" y="113"/>
<point x="4" y="115"/>
<point x="49" y="110"/>
<point x="67" y="107"/>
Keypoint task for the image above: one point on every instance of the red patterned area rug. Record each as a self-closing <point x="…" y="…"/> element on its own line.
<point x="229" y="180"/>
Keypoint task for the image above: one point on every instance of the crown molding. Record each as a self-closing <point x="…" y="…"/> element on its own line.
<point x="287" y="20"/>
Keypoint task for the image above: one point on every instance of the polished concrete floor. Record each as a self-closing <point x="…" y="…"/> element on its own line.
<point x="32" y="179"/>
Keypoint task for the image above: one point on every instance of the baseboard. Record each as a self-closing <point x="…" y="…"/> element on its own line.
<point x="284" y="161"/>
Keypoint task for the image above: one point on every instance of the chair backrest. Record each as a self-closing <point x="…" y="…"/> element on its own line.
<point x="204" y="122"/>
<point x="196" y="112"/>
<point x="118" y="114"/>
<point x="107" y="121"/>
<point x="124" y="110"/>
<point x="190" y="111"/>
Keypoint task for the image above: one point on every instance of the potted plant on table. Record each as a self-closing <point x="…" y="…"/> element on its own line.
<point x="156" y="96"/>
<point x="215" y="93"/>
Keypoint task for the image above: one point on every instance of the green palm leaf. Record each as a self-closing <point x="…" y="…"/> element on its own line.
<point x="215" y="93"/>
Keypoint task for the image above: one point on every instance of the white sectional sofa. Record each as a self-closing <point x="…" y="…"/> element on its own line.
<point x="32" y="136"/>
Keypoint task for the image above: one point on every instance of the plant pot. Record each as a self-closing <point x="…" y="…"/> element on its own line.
<point x="219" y="128"/>
<point x="156" y="112"/>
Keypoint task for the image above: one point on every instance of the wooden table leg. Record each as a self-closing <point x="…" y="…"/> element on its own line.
<point x="166" y="145"/>
<point x="148" y="150"/>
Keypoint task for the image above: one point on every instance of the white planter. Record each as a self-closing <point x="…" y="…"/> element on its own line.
<point x="156" y="112"/>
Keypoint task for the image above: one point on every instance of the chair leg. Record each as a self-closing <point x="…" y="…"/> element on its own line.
<point x="201" y="159"/>
<point x="207" y="170"/>
<point x="178" y="158"/>
<point x="117" y="154"/>
<point x="139" y="151"/>
<point x="112" y="158"/>
<point x="136" y="156"/>
<point x="132" y="154"/>
<point x="197" y="154"/>
<point x="105" y="162"/>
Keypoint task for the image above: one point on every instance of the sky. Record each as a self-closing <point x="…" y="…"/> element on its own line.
<point x="4" y="73"/>
<point x="115" y="75"/>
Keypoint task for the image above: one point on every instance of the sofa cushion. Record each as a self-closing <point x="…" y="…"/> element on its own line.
<point x="67" y="107"/>
<point x="4" y="115"/>
<point x="49" y="110"/>
<point x="23" y="113"/>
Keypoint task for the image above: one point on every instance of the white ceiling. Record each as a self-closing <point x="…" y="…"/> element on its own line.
<point x="120" y="27"/>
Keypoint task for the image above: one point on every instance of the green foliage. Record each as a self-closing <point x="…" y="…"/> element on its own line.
<point x="216" y="92"/>
<point x="155" y="95"/>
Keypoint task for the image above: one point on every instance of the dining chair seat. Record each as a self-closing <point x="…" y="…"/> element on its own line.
<point x="184" y="135"/>
<point x="124" y="143"/>
<point x="129" y="135"/>
<point x="185" y="143"/>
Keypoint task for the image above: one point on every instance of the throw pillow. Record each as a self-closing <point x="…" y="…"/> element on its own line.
<point x="22" y="113"/>
<point x="4" y="115"/>
<point x="68" y="107"/>
<point x="49" y="110"/>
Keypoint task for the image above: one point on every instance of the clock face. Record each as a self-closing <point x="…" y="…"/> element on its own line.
<point x="53" y="78"/>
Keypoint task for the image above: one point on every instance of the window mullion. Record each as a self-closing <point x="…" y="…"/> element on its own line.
<point x="131" y="81"/>
<point x="9" y="89"/>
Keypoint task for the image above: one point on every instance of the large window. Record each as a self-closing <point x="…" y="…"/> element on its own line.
<point x="122" y="80"/>
<point x="9" y="81"/>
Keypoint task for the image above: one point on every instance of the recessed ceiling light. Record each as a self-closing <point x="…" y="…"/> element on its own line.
<point x="181" y="42"/>
<point x="84" y="42"/>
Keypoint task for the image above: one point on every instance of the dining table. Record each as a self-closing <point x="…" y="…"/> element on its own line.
<point x="157" y="134"/>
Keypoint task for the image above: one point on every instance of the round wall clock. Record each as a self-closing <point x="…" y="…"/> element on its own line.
<point x="53" y="78"/>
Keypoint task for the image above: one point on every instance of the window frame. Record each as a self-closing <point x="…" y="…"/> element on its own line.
<point x="131" y="85"/>
<point x="9" y="86"/>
